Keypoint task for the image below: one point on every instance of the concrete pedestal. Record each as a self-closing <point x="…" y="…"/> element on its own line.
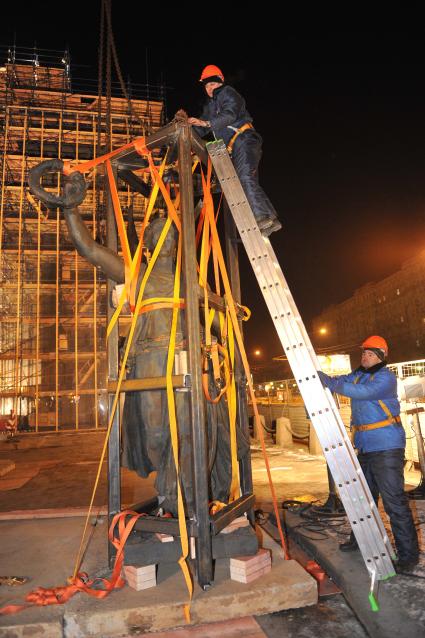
<point x="256" y="434"/>
<point x="283" y="432"/>
<point x="314" y="444"/>
<point x="46" y="555"/>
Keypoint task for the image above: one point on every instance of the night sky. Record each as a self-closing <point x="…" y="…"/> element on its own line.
<point x="342" y="117"/>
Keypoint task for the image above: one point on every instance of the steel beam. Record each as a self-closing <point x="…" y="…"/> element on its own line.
<point x="224" y="517"/>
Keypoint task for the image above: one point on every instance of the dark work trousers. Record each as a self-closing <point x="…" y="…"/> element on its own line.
<point x="246" y="156"/>
<point x="384" y="474"/>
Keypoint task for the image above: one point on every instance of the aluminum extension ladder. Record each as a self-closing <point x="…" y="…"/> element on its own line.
<point x="354" y="492"/>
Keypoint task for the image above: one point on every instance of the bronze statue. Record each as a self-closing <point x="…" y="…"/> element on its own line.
<point x="146" y="440"/>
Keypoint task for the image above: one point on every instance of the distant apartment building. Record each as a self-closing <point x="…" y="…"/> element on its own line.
<point x="393" y="308"/>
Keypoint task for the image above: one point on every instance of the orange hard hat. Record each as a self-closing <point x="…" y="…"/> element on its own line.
<point x="211" y="71"/>
<point x="375" y="342"/>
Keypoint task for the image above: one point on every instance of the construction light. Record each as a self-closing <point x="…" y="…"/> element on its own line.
<point x="323" y="331"/>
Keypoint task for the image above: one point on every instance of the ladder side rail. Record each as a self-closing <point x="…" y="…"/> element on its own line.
<point x="322" y="402"/>
<point x="346" y="468"/>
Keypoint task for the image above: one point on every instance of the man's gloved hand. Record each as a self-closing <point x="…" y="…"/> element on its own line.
<point x="328" y="382"/>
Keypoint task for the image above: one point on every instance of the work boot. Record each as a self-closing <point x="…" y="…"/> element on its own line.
<point x="350" y="546"/>
<point x="407" y="565"/>
<point x="264" y="222"/>
<point x="274" y="227"/>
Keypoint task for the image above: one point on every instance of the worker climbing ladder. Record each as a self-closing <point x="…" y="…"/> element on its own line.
<point x="357" y="499"/>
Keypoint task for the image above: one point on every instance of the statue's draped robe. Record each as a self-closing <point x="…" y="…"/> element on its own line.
<point x="146" y="432"/>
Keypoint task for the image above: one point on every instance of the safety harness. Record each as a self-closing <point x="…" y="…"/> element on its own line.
<point x="391" y="420"/>
<point x="238" y="131"/>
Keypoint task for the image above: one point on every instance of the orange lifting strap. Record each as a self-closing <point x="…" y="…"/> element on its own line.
<point x="209" y="211"/>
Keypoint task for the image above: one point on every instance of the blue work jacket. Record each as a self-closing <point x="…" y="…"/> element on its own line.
<point x="226" y="112"/>
<point x="366" y="387"/>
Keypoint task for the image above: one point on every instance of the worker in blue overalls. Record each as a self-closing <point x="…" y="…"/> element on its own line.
<point x="225" y="115"/>
<point x="380" y="440"/>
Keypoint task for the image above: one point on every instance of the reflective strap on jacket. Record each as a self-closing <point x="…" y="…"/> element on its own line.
<point x="240" y="130"/>
<point x="392" y="420"/>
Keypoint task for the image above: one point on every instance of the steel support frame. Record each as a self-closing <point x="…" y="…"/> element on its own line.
<point x="200" y="526"/>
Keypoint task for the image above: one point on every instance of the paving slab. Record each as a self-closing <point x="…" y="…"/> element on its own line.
<point x="66" y="471"/>
<point x="400" y="598"/>
<point x="46" y="551"/>
<point x="247" y="627"/>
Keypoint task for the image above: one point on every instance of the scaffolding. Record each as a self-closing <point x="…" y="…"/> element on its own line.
<point x="52" y="303"/>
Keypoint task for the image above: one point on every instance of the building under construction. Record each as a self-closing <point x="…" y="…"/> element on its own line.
<point x="393" y="307"/>
<point x="52" y="302"/>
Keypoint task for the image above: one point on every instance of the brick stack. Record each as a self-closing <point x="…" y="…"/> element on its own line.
<point x="140" y="577"/>
<point x="245" y="569"/>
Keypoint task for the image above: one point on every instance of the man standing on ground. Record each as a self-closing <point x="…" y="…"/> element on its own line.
<point x="380" y="440"/>
<point x="225" y="115"/>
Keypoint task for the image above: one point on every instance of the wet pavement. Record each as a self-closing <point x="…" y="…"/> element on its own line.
<point x="58" y="471"/>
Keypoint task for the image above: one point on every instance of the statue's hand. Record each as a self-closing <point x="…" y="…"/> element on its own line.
<point x="74" y="190"/>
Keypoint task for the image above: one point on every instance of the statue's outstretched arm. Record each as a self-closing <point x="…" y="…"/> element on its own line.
<point x="100" y="256"/>
<point x="73" y="193"/>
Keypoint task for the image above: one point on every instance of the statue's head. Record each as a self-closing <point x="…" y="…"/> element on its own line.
<point x="153" y="232"/>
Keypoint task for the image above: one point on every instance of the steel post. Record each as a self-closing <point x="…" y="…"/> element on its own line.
<point x="114" y="473"/>
<point x="232" y="257"/>
<point x="193" y="331"/>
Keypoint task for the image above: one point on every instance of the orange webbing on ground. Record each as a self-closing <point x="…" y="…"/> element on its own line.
<point x="239" y="339"/>
<point x="43" y="596"/>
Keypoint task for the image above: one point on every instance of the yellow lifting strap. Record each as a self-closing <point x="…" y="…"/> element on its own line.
<point x="175" y="439"/>
<point x="239" y="339"/>
<point x="231" y="403"/>
<point x="132" y="273"/>
<point x="120" y="379"/>
<point x="208" y="246"/>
